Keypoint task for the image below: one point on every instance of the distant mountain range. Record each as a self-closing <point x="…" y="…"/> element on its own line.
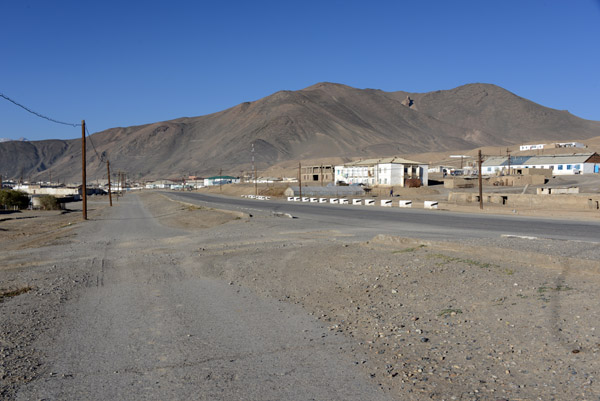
<point x="323" y="120"/>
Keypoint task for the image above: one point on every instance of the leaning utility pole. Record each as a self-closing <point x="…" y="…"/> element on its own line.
<point x="83" y="177"/>
<point x="480" y="183"/>
<point x="300" y="177"/>
<point x="109" y="189"/>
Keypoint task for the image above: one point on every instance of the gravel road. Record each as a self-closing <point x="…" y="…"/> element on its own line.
<point x="143" y="325"/>
<point x="156" y="299"/>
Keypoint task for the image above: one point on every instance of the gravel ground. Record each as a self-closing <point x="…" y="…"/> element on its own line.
<point x="490" y="319"/>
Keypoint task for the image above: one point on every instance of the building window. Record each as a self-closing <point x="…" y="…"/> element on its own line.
<point x="560" y="166"/>
<point x="569" y="167"/>
<point x="489" y="169"/>
<point x="578" y="167"/>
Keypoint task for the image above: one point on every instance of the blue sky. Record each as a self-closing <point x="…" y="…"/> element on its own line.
<point x="129" y="63"/>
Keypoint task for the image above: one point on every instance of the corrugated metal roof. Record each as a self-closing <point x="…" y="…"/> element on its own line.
<point x="560" y="159"/>
<point x="537" y="160"/>
<point x="329" y="190"/>
<point x="383" y="160"/>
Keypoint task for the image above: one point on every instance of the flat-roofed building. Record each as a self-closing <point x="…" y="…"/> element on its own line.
<point x="388" y="171"/>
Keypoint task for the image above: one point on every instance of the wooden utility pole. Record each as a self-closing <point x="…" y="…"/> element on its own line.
<point x="83" y="177"/>
<point x="508" y="154"/>
<point x="255" y="181"/>
<point x="220" y="180"/>
<point x="109" y="189"/>
<point x="300" y="177"/>
<point x="480" y="182"/>
<point x="321" y="171"/>
<point x="123" y="182"/>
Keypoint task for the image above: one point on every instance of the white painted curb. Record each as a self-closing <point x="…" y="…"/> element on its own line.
<point x="405" y="203"/>
<point x="430" y="205"/>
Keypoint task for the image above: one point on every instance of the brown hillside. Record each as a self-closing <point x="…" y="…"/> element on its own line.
<point x="322" y="121"/>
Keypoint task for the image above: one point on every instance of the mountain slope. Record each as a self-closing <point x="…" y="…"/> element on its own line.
<point x="324" y="120"/>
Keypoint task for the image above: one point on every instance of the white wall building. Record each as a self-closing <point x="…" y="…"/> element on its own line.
<point x="582" y="163"/>
<point x="532" y="147"/>
<point x="387" y="171"/>
<point x="160" y="184"/>
<point x="552" y="145"/>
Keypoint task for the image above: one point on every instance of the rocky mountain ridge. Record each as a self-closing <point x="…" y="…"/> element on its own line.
<point x="323" y="120"/>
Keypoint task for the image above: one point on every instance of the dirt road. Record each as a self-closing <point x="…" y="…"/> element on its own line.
<point x="145" y="325"/>
<point x="157" y="299"/>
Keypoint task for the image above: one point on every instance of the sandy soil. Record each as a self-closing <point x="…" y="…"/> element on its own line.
<point x="437" y="320"/>
<point x="186" y="215"/>
<point x="428" y="320"/>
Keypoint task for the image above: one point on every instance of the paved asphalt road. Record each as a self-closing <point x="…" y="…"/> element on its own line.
<point x="432" y="224"/>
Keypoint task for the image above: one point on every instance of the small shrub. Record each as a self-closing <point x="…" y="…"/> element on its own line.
<point x="10" y="198"/>
<point x="49" y="202"/>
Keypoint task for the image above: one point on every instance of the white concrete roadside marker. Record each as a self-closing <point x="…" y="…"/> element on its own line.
<point x="296" y="199"/>
<point x="334" y="200"/>
<point x="343" y="201"/>
<point x="314" y="200"/>
<point x="430" y="205"/>
<point x="357" y="201"/>
<point x="386" y="202"/>
<point x="405" y="203"/>
<point x="305" y="199"/>
<point x="252" y="196"/>
<point x="267" y="198"/>
<point x="322" y="200"/>
<point x="290" y="198"/>
<point x="518" y="236"/>
<point x="369" y="202"/>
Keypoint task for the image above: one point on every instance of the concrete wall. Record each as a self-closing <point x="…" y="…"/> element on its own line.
<point x="575" y="202"/>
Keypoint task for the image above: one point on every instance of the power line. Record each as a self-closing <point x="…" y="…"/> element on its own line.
<point x="101" y="158"/>
<point x="38" y="114"/>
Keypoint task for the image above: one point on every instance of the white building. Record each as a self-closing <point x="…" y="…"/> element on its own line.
<point x="386" y="171"/>
<point x="581" y="163"/>
<point x="160" y="184"/>
<point x="552" y="145"/>
<point x="532" y="147"/>
<point x="221" y="180"/>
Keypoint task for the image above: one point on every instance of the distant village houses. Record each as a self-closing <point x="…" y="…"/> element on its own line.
<point x="552" y="146"/>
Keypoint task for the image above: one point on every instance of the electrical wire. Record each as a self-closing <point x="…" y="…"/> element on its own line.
<point x="100" y="157"/>
<point x="36" y="113"/>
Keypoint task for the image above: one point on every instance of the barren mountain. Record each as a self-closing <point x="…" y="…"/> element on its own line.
<point x="324" y="120"/>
